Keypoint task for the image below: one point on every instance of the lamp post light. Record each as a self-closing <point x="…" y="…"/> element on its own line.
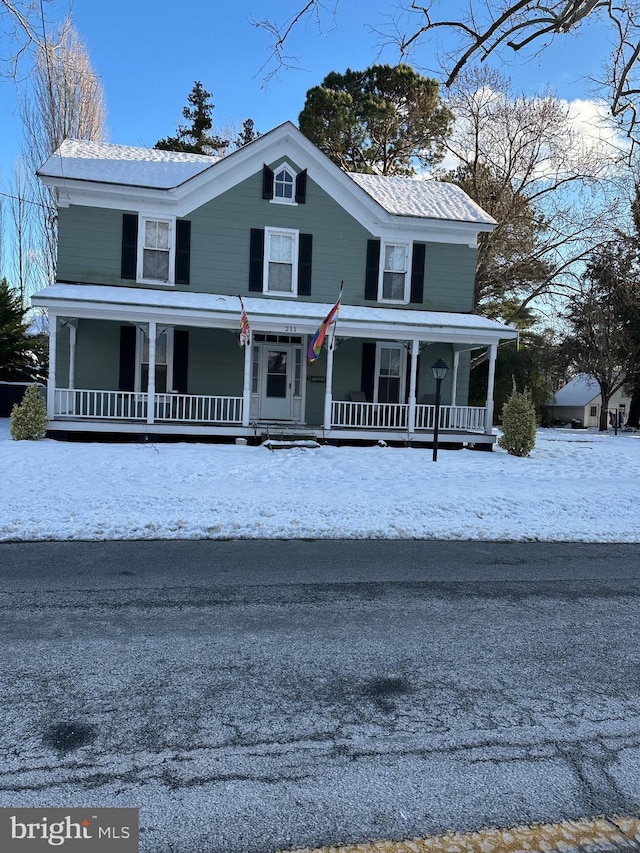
<point x="439" y="370"/>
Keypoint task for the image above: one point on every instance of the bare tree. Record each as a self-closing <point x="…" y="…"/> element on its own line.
<point x="21" y="222"/>
<point x="64" y="99"/>
<point x="522" y="160"/>
<point x="23" y="26"/>
<point x="516" y="26"/>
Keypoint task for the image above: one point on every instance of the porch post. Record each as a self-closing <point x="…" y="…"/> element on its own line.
<point x="151" y="389"/>
<point x="73" y="329"/>
<point x="328" y="387"/>
<point x="488" y="424"/>
<point x="454" y="383"/>
<point x="246" y="386"/>
<point x="53" y="345"/>
<point x="411" y="422"/>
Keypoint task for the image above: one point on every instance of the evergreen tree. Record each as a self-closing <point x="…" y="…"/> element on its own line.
<point x="381" y="120"/>
<point x="18" y="360"/>
<point x="29" y="418"/>
<point x="518" y="424"/>
<point x="195" y="138"/>
<point x="247" y="134"/>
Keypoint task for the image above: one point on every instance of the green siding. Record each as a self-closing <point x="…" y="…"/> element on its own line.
<point x="90" y="248"/>
<point x="216" y="363"/>
<point x="98" y="355"/>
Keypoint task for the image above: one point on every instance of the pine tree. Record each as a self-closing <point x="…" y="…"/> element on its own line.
<point x="17" y="359"/>
<point x="247" y="134"/>
<point x="518" y="424"/>
<point x="195" y="138"/>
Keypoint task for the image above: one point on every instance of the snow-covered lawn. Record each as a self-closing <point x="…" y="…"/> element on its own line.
<point x="577" y="485"/>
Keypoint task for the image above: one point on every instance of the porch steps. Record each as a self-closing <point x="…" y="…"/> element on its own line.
<point x="277" y="436"/>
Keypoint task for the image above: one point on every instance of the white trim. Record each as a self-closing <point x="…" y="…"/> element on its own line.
<point x="408" y="256"/>
<point x="380" y="345"/>
<point x="143" y="218"/>
<point x="270" y="232"/>
<point x="287" y="167"/>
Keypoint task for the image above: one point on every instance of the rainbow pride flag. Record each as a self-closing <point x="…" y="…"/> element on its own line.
<point x="315" y="345"/>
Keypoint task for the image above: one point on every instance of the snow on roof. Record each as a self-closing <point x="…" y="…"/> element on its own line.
<point x="419" y="196"/>
<point x="579" y="391"/>
<point x="106" y="163"/>
<point x="257" y="307"/>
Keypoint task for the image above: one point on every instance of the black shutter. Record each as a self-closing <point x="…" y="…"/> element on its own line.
<point x="301" y="187"/>
<point x="256" y="259"/>
<point x="417" y="272"/>
<point x="180" y="360"/>
<point x="305" y="251"/>
<point x="127" y="358"/>
<point x="368" y="379"/>
<point x="267" y="182"/>
<point x="129" y="256"/>
<point x="373" y="266"/>
<point x="183" y="251"/>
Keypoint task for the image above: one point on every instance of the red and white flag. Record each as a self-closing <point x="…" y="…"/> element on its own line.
<point x="245" y="328"/>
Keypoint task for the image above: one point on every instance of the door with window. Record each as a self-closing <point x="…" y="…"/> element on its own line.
<point x="277" y="376"/>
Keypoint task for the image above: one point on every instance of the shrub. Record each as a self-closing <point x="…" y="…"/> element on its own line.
<point x="518" y="424"/>
<point x="29" y="418"/>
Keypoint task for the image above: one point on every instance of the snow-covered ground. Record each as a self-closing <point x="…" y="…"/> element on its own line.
<point x="576" y="486"/>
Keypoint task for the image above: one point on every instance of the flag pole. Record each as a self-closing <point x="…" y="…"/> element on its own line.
<point x="333" y="336"/>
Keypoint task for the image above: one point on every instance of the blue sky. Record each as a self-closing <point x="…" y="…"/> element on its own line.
<point x="148" y="55"/>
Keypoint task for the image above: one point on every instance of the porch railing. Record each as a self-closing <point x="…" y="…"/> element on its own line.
<point x="396" y="416"/>
<point x="196" y="407"/>
<point x="381" y="415"/>
<point x="133" y="405"/>
<point x="459" y="418"/>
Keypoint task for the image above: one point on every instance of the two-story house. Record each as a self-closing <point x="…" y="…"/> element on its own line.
<point x="159" y="250"/>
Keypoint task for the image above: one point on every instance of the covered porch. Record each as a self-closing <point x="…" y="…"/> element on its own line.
<point x="372" y="382"/>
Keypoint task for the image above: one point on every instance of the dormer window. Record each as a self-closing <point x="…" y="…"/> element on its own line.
<point x="284" y="184"/>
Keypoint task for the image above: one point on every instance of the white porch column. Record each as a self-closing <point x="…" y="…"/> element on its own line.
<point x="246" y="386"/>
<point x="151" y="389"/>
<point x="411" y="422"/>
<point x="73" y="333"/>
<point x="454" y="381"/>
<point x="53" y="345"/>
<point x="488" y="424"/>
<point x="328" y="387"/>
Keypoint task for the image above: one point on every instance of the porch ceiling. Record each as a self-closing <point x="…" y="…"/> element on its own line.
<point x="132" y="304"/>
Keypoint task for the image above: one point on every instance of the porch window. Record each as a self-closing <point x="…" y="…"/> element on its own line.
<point x="281" y="262"/>
<point x="156" y="250"/>
<point x="393" y="279"/>
<point x="164" y="360"/>
<point x="390" y="362"/>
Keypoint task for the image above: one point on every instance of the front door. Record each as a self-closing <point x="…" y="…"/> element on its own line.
<point x="277" y="382"/>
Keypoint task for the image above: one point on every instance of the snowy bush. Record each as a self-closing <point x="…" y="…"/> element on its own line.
<point x="518" y="424"/>
<point x="29" y="418"/>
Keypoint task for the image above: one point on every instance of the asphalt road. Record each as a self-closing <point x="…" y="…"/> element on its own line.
<point x="252" y="696"/>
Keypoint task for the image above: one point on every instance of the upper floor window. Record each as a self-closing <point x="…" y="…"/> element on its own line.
<point x="283" y="184"/>
<point x="393" y="273"/>
<point x="157" y="251"/>
<point x="281" y="261"/>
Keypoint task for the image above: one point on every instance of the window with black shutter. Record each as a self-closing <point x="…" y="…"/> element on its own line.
<point x="129" y="254"/>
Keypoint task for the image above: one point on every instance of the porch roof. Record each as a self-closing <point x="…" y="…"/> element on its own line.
<point x="266" y="314"/>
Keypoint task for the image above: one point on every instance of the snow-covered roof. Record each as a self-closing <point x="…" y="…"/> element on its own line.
<point x="579" y="391"/>
<point x="419" y="196"/>
<point x="309" y="314"/>
<point x="127" y="166"/>
<point x="106" y="163"/>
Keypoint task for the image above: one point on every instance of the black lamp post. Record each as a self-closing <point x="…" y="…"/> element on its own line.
<point x="439" y="370"/>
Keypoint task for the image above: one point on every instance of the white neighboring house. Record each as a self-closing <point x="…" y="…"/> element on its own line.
<point x="580" y="400"/>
